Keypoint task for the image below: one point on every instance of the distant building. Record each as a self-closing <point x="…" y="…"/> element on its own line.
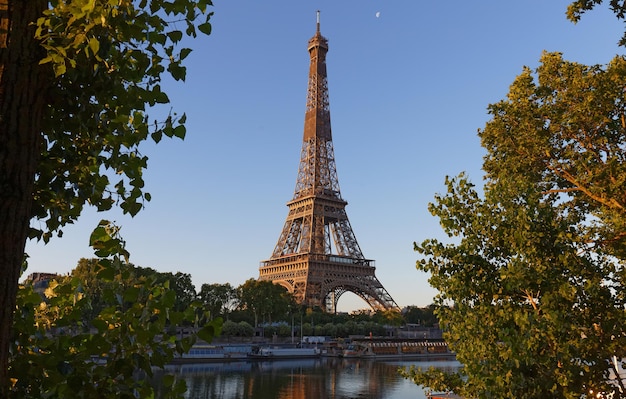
<point x="40" y="281"/>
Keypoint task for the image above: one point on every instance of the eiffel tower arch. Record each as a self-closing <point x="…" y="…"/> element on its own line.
<point x="317" y="257"/>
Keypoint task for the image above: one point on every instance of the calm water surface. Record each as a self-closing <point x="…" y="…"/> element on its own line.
<point x="326" y="378"/>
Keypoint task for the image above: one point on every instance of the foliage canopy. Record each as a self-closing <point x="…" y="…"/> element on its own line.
<point x="109" y="58"/>
<point x="103" y="336"/>
<point x="265" y="299"/>
<point x="77" y="79"/>
<point x="531" y="292"/>
<point x="531" y="295"/>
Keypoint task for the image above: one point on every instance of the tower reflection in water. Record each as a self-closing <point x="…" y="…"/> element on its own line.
<point x="325" y="378"/>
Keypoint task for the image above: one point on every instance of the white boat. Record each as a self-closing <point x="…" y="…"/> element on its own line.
<point x="270" y="352"/>
<point x="207" y="353"/>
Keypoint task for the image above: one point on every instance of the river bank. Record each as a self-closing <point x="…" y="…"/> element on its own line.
<point x="357" y="347"/>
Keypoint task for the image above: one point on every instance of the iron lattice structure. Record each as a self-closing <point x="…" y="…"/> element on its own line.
<point x="317" y="257"/>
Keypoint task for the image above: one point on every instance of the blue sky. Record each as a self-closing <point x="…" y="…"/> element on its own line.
<point x="409" y="84"/>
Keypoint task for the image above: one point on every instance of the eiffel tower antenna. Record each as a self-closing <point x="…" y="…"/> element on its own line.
<point x="317" y="257"/>
<point x="318" y="20"/>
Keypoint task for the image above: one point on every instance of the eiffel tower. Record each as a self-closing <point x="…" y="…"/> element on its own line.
<point x="317" y="257"/>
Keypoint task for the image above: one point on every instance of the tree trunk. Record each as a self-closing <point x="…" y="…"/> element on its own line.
<point x="22" y="102"/>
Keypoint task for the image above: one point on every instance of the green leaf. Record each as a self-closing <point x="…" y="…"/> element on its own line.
<point x="178" y="72"/>
<point x="175" y="36"/>
<point x="184" y="53"/>
<point x="99" y="234"/>
<point x="179" y="131"/>
<point x="157" y="135"/>
<point x="205" y="28"/>
<point x="45" y="60"/>
<point x="167" y="380"/>
<point x="161" y="98"/>
<point x="59" y="69"/>
<point x="168" y="299"/>
<point x="94" y="45"/>
<point x="202" y="4"/>
<point x="99" y="324"/>
<point x="106" y="274"/>
<point x="131" y="294"/>
<point x="206" y="333"/>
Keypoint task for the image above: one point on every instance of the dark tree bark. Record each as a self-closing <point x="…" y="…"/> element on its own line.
<point x="22" y="102"/>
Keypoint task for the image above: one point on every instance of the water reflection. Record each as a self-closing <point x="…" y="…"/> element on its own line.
<point x="325" y="378"/>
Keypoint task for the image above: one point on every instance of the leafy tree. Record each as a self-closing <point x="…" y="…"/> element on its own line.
<point x="531" y="296"/>
<point x="240" y="314"/>
<point x="87" y="272"/>
<point x="388" y="317"/>
<point x="264" y="299"/>
<point x="361" y="315"/>
<point x="57" y="353"/>
<point x="219" y="299"/>
<point x="76" y="79"/>
<point x="185" y="290"/>
<point x="566" y="132"/>
<point x="250" y="298"/>
<point x="241" y="329"/>
<point x="423" y="316"/>
<point x="577" y="8"/>
<point x="101" y="293"/>
<point x="245" y="329"/>
<point x="230" y="329"/>
<point x="308" y="329"/>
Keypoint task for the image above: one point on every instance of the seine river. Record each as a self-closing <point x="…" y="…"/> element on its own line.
<point x="325" y="378"/>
